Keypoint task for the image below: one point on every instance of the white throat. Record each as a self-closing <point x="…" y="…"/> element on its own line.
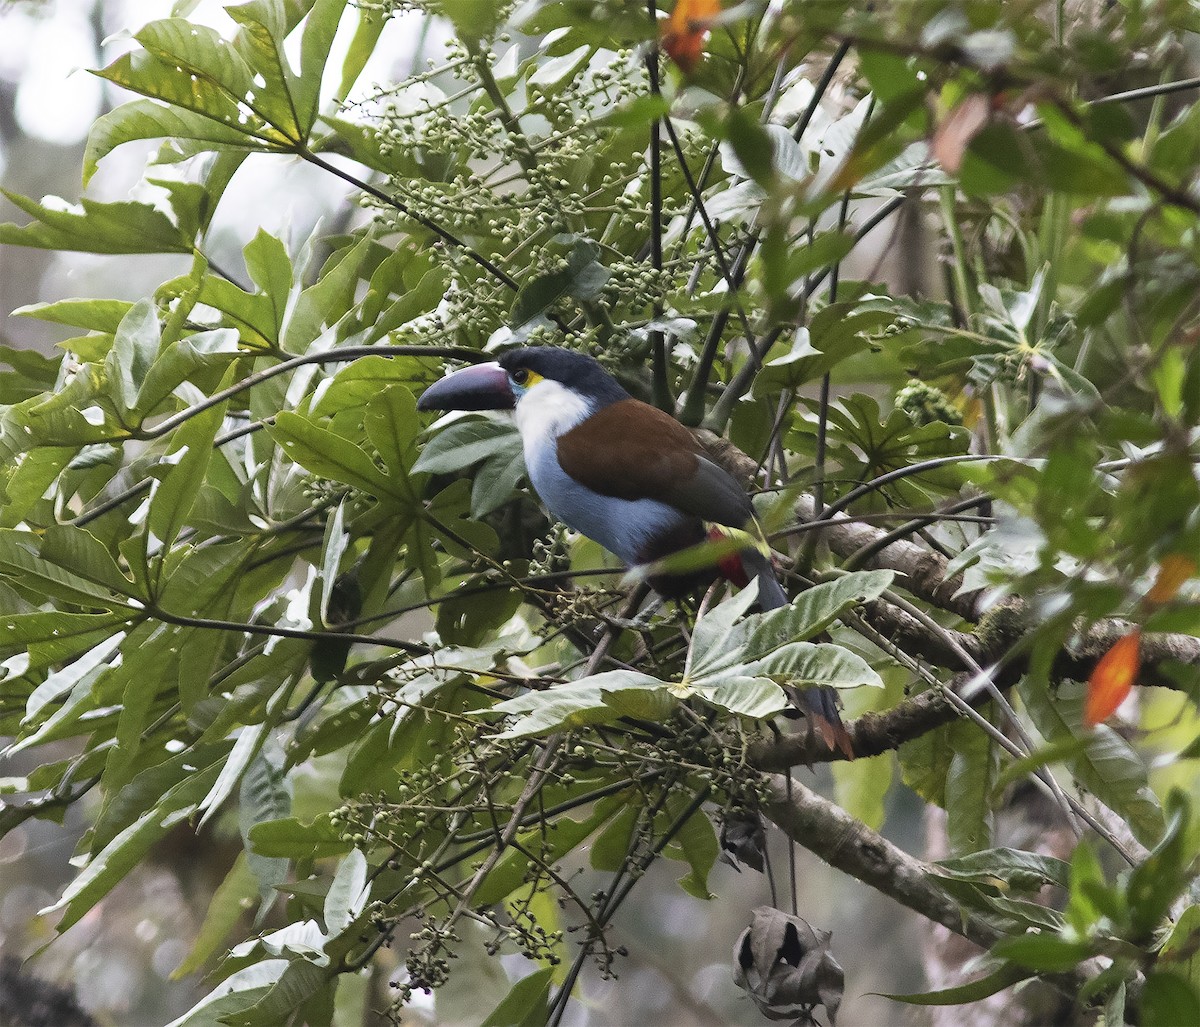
<point x="545" y="412"/>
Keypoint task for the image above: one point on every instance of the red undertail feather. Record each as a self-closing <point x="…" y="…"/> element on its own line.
<point x="822" y="708"/>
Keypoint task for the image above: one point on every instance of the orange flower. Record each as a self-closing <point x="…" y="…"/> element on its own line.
<point x="684" y="32"/>
<point x="1113" y="677"/>
<point x="1174" y="570"/>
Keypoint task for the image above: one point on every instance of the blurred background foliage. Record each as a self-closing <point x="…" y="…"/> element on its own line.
<point x="933" y="265"/>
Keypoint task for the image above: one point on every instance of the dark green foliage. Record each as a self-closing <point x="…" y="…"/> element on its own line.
<point x="237" y="568"/>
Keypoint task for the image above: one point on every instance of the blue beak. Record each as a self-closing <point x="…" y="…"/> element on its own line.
<point x="481" y="387"/>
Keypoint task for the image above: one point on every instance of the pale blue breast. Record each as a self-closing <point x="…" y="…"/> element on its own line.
<point x="622" y="526"/>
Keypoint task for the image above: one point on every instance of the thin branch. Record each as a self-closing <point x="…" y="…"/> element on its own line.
<point x="660" y="383"/>
<point x="497" y="272"/>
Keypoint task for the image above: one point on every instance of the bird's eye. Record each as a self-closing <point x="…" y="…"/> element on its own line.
<point x="520" y="376"/>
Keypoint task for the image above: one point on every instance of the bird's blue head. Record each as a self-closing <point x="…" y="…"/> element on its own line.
<point x="537" y="374"/>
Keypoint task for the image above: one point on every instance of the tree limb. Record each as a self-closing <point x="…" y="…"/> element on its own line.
<point x="846" y="843"/>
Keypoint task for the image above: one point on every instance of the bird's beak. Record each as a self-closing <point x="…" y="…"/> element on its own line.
<point x="480" y="387"/>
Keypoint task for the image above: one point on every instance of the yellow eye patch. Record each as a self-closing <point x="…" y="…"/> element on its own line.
<point x="526" y="378"/>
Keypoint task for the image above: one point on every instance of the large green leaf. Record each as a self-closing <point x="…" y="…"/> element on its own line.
<point x="526" y="1004"/>
<point x="392" y="426"/>
<point x="99" y="315"/>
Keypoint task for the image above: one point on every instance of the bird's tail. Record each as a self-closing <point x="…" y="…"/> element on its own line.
<point x="821" y="705"/>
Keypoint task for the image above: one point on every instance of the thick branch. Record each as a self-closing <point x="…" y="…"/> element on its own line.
<point x="849" y="845"/>
<point x="870" y="734"/>
<point x="924" y="572"/>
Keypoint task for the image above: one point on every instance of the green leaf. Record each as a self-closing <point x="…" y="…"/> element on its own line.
<point x="20" y="559"/>
<point x="805" y="664"/>
<point x="1108" y="767"/>
<point x="472" y="19"/>
<point x="1012" y="868"/>
<point x="111" y="865"/>
<point x="371" y="24"/>
<point x="229" y="902"/>
<point x="325" y="303"/>
<point x="28" y="481"/>
<point x="296" y="986"/>
<point x="182" y="361"/>
<point x="719" y="646"/>
<point x="968" y="789"/>
<point x="60" y="681"/>
<point x="60" y="637"/>
<point x="94" y="315"/>
<point x="245" y="748"/>
<point x="758" y="698"/>
<point x="1168" y="1001"/>
<point x="191" y="453"/>
<point x="1004" y="976"/>
<point x="265" y="797"/>
<point x="264" y="27"/>
<point x="148" y="656"/>
<point x="201" y="52"/>
<point x="696" y="843"/>
<point x="330" y="456"/>
<point x="236" y="993"/>
<point x="93" y="227"/>
<point x="1045" y="953"/>
<point x="582" y="278"/>
<point x="526" y="1004"/>
<point x="1154" y="884"/>
<point x="147" y="788"/>
<point x="319" y="29"/>
<point x="511" y="870"/>
<point x="348" y="894"/>
<point x="465" y="443"/>
<point x="572" y="705"/>
<point x="295" y="839"/>
<point x="78" y="550"/>
<point x="392" y="426"/>
<point x="151" y="119"/>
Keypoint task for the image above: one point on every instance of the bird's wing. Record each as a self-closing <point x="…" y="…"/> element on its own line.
<point x="632" y="450"/>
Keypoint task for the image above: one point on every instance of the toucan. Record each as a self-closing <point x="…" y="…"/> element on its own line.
<point x="623" y="473"/>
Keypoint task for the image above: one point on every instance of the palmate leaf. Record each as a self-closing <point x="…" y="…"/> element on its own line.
<point x="721" y="642"/>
